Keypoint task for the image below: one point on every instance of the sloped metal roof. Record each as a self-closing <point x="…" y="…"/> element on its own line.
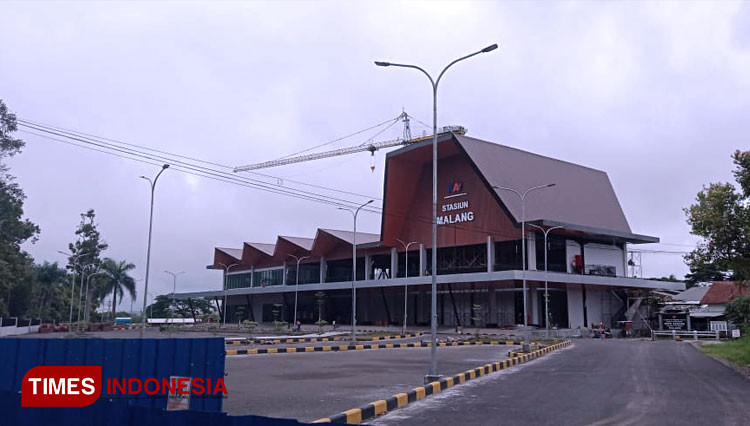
<point x="235" y="253"/>
<point x="348" y="236"/>
<point x="301" y="242"/>
<point x="581" y="195"/>
<point x="263" y="247"/>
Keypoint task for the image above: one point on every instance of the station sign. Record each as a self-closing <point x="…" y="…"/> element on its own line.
<point x="455" y="210"/>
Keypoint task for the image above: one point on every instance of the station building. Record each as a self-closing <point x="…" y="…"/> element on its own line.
<point x="479" y="256"/>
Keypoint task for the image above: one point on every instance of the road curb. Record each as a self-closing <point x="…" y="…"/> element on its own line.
<point x="382" y="406"/>
<point x="343" y="348"/>
<point x="316" y="339"/>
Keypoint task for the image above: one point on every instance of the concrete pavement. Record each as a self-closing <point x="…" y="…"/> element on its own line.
<point x="611" y="382"/>
<point x="308" y="386"/>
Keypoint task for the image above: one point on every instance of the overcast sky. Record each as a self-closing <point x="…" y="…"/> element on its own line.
<point x="655" y="94"/>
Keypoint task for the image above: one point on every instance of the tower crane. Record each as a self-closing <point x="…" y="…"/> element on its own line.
<point x="370" y="146"/>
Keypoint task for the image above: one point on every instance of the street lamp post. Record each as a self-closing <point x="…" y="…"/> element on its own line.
<point x="546" y="290"/>
<point x="433" y="374"/>
<point x="523" y="248"/>
<point x="148" y="250"/>
<point x="226" y="272"/>
<point x="354" y="268"/>
<point x="80" y="291"/>
<point x="296" y="286"/>
<point x="86" y="297"/>
<point x="73" y="285"/>
<point x="406" y="272"/>
<point x="174" y="286"/>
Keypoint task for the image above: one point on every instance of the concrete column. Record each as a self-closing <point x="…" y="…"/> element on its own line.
<point x="422" y="259"/>
<point x="394" y="262"/>
<point x="252" y="274"/>
<point x="492" y="302"/>
<point x="490" y="254"/>
<point x="283" y="273"/>
<point x="534" y="302"/>
<point x="323" y="266"/>
<point x="531" y="250"/>
<point x="575" y="305"/>
<point x="688" y="322"/>
<point x="368" y="267"/>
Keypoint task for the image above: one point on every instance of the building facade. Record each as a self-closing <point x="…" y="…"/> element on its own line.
<point x="479" y="259"/>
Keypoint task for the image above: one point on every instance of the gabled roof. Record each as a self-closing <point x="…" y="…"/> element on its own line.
<point x="581" y="195"/>
<point x="723" y="292"/>
<point x="262" y="247"/>
<point x="233" y="252"/>
<point x="348" y="236"/>
<point x="252" y="253"/>
<point x="693" y="294"/>
<point x="328" y="239"/>
<point x="286" y="246"/>
<point x="301" y="242"/>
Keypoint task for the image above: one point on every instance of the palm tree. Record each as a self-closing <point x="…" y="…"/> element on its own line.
<point x="116" y="281"/>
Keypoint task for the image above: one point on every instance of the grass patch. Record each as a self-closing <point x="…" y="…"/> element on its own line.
<point x="737" y="351"/>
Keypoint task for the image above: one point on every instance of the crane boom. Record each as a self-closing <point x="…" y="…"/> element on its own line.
<point x="371" y="147"/>
<point x="368" y="146"/>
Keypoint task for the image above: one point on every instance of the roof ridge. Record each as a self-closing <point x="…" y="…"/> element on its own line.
<point x="344" y="230"/>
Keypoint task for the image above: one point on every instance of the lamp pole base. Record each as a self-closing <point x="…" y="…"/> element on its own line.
<point x="430" y="378"/>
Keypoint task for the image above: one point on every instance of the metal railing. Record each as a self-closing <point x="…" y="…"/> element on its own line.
<point x="694" y="334"/>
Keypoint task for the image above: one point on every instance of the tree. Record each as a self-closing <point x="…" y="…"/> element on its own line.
<point x="50" y="294"/>
<point x="85" y="253"/>
<point x="721" y="216"/>
<point x="116" y="281"/>
<point x="15" y="264"/>
<point x="738" y="311"/>
<point x="164" y="307"/>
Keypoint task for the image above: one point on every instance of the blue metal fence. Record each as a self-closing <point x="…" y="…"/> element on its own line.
<point x="111" y="413"/>
<point x="120" y="358"/>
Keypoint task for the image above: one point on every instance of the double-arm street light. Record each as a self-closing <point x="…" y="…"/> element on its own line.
<point x="406" y="273"/>
<point x="73" y="284"/>
<point x="86" y="296"/>
<point x="174" y="286"/>
<point x="354" y="267"/>
<point x="433" y="374"/>
<point x="226" y="272"/>
<point x="546" y="290"/>
<point x="80" y="290"/>
<point x="148" y="250"/>
<point x="523" y="244"/>
<point x="296" y="286"/>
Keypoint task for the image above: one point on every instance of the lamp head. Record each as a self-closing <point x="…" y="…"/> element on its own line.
<point x="165" y="166"/>
<point x="550" y="185"/>
<point x="489" y="48"/>
<point x="369" y="202"/>
<point x="382" y="64"/>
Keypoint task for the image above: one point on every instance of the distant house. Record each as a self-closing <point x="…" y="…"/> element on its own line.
<point x="713" y="303"/>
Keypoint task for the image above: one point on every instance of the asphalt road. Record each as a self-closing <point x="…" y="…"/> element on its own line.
<point x="614" y="382"/>
<point x="308" y="386"/>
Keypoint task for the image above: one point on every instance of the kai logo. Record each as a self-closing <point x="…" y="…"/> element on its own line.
<point x="455" y="188"/>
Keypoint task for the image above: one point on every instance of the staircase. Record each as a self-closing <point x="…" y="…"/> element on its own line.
<point x="630" y="313"/>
